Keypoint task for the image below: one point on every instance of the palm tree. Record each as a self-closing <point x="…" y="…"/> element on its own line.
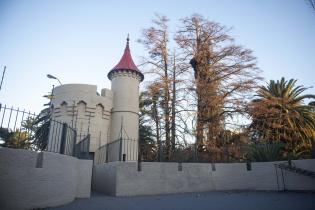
<point x="279" y="114"/>
<point x="41" y="125"/>
<point x="15" y="139"/>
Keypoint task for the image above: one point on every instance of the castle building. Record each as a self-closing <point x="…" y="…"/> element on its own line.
<point x="108" y="117"/>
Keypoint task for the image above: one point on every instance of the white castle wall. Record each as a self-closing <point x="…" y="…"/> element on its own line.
<point x="124" y="179"/>
<point x="84" y="110"/>
<point x="125" y="113"/>
<point x="31" y="180"/>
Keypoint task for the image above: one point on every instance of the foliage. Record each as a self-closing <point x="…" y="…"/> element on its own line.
<point x="33" y="133"/>
<point x="18" y="139"/>
<point x="41" y="128"/>
<point x="4" y="133"/>
<point x="311" y="3"/>
<point x="279" y="114"/>
<point x="224" y="75"/>
<point x="148" y="148"/>
<point x="165" y="86"/>
<point x="264" y="152"/>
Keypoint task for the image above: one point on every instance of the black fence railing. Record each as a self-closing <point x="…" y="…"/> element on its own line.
<point x="82" y="149"/>
<point x="14" y="118"/>
<point x="118" y="150"/>
<point x="61" y="139"/>
<point x="18" y="129"/>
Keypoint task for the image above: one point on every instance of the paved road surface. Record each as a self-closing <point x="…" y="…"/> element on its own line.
<point x="199" y="201"/>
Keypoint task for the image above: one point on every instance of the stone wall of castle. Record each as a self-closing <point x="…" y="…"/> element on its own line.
<point x="82" y="108"/>
<point x="125" y="113"/>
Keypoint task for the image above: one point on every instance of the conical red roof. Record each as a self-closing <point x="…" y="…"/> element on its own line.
<point x="126" y="63"/>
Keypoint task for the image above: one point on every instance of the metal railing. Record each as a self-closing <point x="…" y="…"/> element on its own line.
<point x="62" y="138"/>
<point x="296" y="170"/>
<point x="118" y="150"/>
<point x="82" y="149"/>
<point x="291" y="168"/>
<point x="14" y="118"/>
<point x="16" y="129"/>
<point x="19" y="130"/>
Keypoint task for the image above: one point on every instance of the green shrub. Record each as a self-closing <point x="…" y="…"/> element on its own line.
<point x="264" y="152"/>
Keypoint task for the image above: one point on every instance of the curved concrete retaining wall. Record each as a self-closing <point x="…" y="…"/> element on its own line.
<point x="123" y="178"/>
<point x="31" y="180"/>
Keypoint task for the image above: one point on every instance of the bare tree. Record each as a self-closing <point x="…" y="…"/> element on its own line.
<point x="225" y="74"/>
<point x="166" y="71"/>
<point x="155" y="40"/>
<point x="149" y="113"/>
<point x="312" y="3"/>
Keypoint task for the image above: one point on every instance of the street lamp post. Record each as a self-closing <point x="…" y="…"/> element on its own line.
<point x="53" y="77"/>
<point x="51" y="96"/>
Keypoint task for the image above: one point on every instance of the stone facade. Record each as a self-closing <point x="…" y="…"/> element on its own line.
<point x="155" y="178"/>
<point x="107" y="117"/>
<point x="31" y="180"/>
<point x="83" y="109"/>
<point x="125" y="112"/>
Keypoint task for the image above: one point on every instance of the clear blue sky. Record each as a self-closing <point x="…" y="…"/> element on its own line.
<point x="80" y="41"/>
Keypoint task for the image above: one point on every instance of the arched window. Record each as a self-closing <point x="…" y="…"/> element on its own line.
<point x="81" y="108"/>
<point x="63" y="108"/>
<point x="99" y="110"/>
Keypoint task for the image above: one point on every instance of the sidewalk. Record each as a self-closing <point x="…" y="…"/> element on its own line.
<point x="199" y="201"/>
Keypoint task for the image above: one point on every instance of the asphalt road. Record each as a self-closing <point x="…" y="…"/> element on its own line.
<point x="199" y="201"/>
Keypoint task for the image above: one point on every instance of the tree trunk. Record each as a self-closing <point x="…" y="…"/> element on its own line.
<point x="173" y="127"/>
<point x="167" y="116"/>
<point x="157" y="127"/>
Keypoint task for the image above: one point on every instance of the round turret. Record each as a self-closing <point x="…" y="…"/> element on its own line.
<point x="125" y="78"/>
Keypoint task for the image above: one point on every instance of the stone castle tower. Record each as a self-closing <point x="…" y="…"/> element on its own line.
<point x="108" y="117"/>
<point x="125" y="78"/>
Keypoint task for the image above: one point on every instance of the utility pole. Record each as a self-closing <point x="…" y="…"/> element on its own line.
<point x="2" y="77"/>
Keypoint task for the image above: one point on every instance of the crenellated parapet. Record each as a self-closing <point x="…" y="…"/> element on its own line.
<point x="126" y="73"/>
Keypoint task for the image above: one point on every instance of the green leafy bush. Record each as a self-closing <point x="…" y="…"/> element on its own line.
<point x="264" y="152"/>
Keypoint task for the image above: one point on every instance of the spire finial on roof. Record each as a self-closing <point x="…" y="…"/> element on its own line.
<point x="126" y="63"/>
<point x="127" y="41"/>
